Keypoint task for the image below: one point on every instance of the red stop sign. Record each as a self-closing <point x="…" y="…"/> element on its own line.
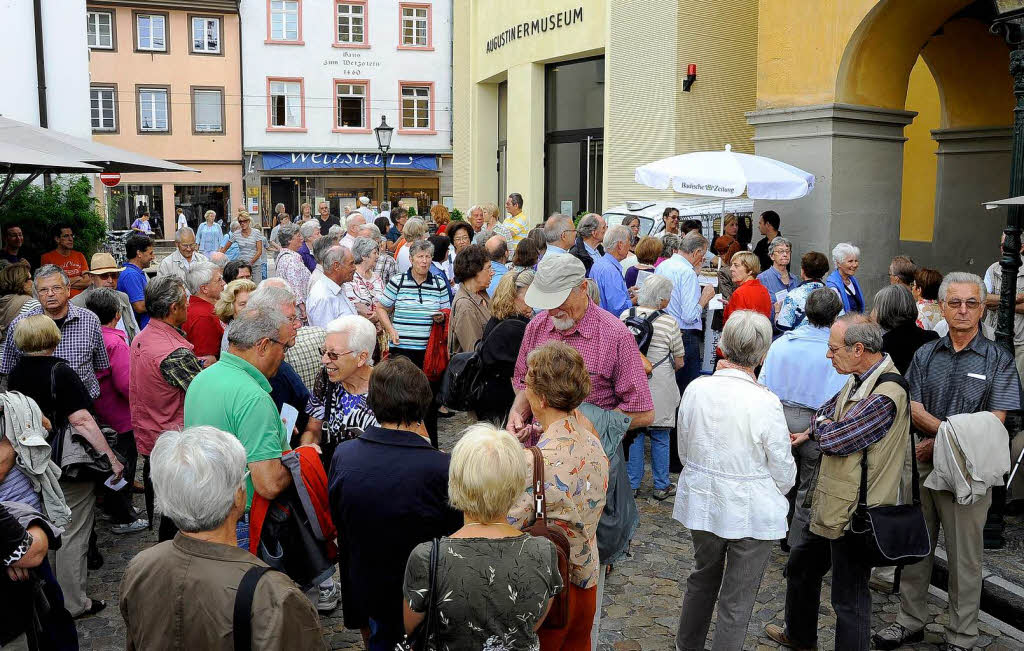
<point x="110" y="179"/>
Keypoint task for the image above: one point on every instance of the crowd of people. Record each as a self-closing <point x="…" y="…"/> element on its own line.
<point x="282" y="418"/>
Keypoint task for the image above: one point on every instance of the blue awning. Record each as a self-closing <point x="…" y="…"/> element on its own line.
<point x="273" y="161"/>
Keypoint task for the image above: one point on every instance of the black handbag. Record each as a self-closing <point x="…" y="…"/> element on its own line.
<point x="427" y="636"/>
<point x="894" y="535"/>
<point x="78" y="459"/>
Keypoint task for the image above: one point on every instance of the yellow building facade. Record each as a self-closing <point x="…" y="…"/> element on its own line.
<point x="900" y="108"/>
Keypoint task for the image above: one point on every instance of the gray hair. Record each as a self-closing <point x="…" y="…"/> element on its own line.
<point x="693" y="241"/>
<point x="198" y="275"/>
<point x="894" y="306"/>
<point x="861" y="330"/>
<point x="670" y="243"/>
<point x="746" y="338"/>
<point x="163" y="293"/>
<point x="256" y="323"/>
<point x="777" y="242"/>
<point x="556" y="225"/>
<point x="181" y="232"/>
<point x="285" y="233"/>
<point x="360" y="333"/>
<point x="48" y="270"/>
<point x="588" y="225"/>
<point x="309" y="228"/>
<point x="196" y="476"/>
<point x="617" y="234"/>
<point x="414" y="229"/>
<point x="235" y="225"/>
<point x="420" y="245"/>
<point x="374" y="232"/>
<point x="822" y="307"/>
<point x="362" y="247"/>
<point x="279" y="208"/>
<point x="219" y="259"/>
<point x="272" y="297"/>
<point x="320" y="248"/>
<point x="654" y="291"/>
<point x="843" y="252"/>
<point x="336" y="232"/>
<point x="593" y="291"/>
<point x="957" y="277"/>
<point x="336" y="253"/>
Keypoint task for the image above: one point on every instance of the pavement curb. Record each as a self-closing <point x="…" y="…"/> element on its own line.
<point x="1000" y="598"/>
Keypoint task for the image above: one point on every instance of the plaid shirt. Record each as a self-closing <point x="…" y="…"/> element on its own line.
<point x="386" y="267"/>
<point x="305" y="356"/>
<point x="81" y="346"/>
<point x="865" y="424"/>
<point x="180" y="368"/>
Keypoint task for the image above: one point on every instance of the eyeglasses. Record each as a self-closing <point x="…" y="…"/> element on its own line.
<point x="188" y="247"/>
<point x="277" y="341"/>
<point x="50" y="290"/>
<point x="835" y="349"/>
<point x="333" y="356"/>
<point x="956" y="303"/>
<point x="110" y="275"/>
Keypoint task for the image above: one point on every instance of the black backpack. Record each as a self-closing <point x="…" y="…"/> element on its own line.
<point x="642" y="328"/>
<point x="463" y="381"/>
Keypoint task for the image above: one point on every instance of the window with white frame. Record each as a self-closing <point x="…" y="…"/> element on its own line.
<point x="206" y="35"/>
<point x="351" y="23"/>
<point x="208" y="110"/>
<point x="153" y="109"/>
<point x="415" y="26"/>
<point x="151" y="30"/>
<point x="415" y="107"/>
<point x="100" y="29"/>
<point x="285" y="104"/>
<point x="103" y="108"/>
<point x="284" y="20"/>
<point x="351" y="105"/>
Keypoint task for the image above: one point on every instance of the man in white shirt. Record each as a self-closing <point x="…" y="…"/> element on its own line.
<point x="354" y="222"/>
<point x="327" y="300"/>
<point x="559" y="233"/>
<point x="365" y="210"/>
<point x="179" y="262"/>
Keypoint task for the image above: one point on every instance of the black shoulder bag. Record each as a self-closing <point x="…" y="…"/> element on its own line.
<point x="427" y="635"/>
<point x="893" y="535"/>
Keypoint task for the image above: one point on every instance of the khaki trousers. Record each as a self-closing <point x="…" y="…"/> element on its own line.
<point x="963" y="526"/>
<point x="70" y="562"/>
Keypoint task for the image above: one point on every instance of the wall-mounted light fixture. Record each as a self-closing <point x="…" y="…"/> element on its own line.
<point x="691" y="76"/>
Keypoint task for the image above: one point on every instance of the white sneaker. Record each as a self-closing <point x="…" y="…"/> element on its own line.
<point x="327" y="600"/>
<point x="131" y="527"/>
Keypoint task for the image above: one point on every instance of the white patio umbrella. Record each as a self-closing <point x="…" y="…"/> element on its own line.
<point x="726" y="174"/>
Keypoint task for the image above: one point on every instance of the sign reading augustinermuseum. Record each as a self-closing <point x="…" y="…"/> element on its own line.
<point x="541" y="25"/>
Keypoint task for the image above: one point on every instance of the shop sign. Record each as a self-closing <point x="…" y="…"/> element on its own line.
<point x="551" y="22"/>
<point x="308" y="161"/>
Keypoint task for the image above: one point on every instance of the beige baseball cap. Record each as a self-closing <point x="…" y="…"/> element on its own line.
<point x="557" y="275"/>
<point x="103" y="263"/>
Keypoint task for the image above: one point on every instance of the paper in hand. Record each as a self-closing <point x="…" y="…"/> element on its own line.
<point x="289" y="416"/>
<point x="115" y="486"/>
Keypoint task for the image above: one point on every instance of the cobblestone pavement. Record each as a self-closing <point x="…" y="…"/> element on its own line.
<point x="642" y="599"/>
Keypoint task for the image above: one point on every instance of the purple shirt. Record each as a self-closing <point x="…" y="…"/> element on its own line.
<point x="609" y="352"/>
<point x="307" y="257"/>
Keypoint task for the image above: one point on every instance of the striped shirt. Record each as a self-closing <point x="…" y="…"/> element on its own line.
<point x="514" y="229"/>
<point x="414" y="307"/>
<point x="981" y="377"/>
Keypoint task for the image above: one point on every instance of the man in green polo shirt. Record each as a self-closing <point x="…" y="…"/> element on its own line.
<point x="234" y="395"/>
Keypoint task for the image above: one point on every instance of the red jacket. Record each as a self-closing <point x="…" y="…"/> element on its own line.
<point x="751" y="295"/>
<point x="203" y="328"/>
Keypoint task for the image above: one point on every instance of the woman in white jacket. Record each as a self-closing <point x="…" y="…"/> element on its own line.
<point x="737" y="468"/>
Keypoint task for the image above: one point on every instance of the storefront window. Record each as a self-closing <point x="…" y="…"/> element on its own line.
<point x="127" y="202"/>
<point x="195" y="200"/>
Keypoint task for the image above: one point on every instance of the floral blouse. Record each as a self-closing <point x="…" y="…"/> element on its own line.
<point x="928" y="314"/>
<point x="575" y="485"/>
<point x="791" y="314"/>
<point x="293" y="270"/>
<point x="490" y="591"/>
<point x="363" y="291"/>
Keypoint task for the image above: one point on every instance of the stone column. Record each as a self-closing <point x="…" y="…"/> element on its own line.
<point x="856" y="155"/>
<point x="526" y="137"/>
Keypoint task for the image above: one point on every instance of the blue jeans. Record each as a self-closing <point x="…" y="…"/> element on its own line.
<point x="242" y="532"/>
<point x="659" y="458"/>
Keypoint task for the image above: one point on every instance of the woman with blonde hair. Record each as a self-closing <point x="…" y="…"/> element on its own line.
<point x="233" y="299"/>
<point x="486" y="560"/>
<point x="439" y="215"/>
<point x="414" y="231"/>
<point x="575" y="480"/>
<point x="726" y="245"/>
<point x="209" y="235"/>
<point x="749" y="294"/>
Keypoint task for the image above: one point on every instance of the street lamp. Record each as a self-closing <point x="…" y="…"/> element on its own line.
<point x="1009" y="22"/>
<point x="384" y="133"/>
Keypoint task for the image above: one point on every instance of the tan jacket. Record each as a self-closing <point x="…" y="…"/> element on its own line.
<point x="180" y="594"/>
<point x="835" y="495"/>
<point x="469" y="316"/>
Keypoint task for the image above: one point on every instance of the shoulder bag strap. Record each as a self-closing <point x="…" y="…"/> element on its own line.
<point x="241" y="621"/>
<point x="915" y="489"/>
<point x="540" y="509"/>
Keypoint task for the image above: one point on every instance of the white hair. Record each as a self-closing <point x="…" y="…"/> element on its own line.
<point x="616" y="234"/>
<point x="962" y="278"/>
<point x="309" y="228"/>
<point x="843" y="252"/>
<point x="254" y="324"/>
<point x="272" y="296"/>
<point x="181" y="232"/>
<point x="654" y="291"/>
<point x="196" y="475"/>
<point x="746" y="338"/>
<point x="360" y="333"/>
<point x="198" y="275"/>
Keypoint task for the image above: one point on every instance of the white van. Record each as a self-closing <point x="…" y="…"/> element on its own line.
<point x="708" y="211"/>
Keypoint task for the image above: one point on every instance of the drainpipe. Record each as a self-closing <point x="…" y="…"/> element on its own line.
<point x="241" y="116"/>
